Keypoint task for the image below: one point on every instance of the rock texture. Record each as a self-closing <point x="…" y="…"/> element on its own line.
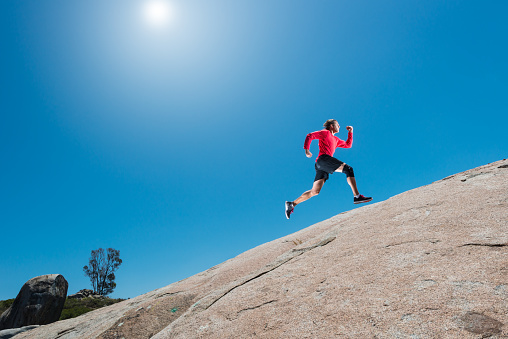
<point x="428" y="263"/>
<point x="6" y="334"/>
<point x="39" y="302"/>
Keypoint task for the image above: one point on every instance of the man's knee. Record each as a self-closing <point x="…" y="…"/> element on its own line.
<point x="314" y="192"/>
<point x="348" y="170"/>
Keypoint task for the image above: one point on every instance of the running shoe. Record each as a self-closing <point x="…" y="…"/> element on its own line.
<point x="362" y="199"/>
<point x="289" y="209"/>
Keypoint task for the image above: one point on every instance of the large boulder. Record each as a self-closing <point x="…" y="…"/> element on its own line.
<point x="39" y="302"/>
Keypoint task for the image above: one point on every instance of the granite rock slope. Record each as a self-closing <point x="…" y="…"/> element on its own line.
<point x="428" y="263"/>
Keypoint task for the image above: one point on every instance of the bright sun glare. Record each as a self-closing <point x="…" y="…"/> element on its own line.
<point x="157" y="12"/>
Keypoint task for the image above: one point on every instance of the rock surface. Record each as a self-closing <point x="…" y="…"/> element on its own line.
<point x="39" y="302"/>
<point x="428" y="263"/>
<point x="6" y="334"/>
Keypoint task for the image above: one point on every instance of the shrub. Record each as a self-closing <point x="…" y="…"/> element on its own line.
<point x="73" y="307"/>
<point x="74" y="312"/>
<point x="5" y="304"/>
<point x="76" y="307"/>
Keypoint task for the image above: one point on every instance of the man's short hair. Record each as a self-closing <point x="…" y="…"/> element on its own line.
<point x="329" y="123"/>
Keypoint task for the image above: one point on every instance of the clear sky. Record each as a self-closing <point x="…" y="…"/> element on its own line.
<point x="177" y="138"/>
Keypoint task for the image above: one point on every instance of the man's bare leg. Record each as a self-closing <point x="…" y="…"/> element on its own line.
<point x="350" y="180"/>
<point x="316" y="188"/>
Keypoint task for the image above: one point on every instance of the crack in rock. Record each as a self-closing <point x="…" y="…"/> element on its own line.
<point x="433" y="241"/>
<point x="320" y="244"/>
<point x="211" y="299"/>
<point x="485" y="245"/>
<point x="64" y="332"/>
<point x="258" y="306"/>
<point x="167" y="294"/>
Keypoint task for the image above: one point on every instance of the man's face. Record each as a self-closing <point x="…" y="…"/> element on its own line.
<point x="335" y="127"/>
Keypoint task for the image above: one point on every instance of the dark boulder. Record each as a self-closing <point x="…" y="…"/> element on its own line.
<point x="39" y="302"/>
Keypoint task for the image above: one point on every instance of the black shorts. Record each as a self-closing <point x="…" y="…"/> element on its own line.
<point x="326" y="165"/>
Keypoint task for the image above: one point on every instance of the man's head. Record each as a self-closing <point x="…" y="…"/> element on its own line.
<point x="332" y="125"/>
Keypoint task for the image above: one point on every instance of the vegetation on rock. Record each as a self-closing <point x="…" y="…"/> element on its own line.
<point x="76" y="307"/>
<point x="5" y="304"/>
<point x="72" y="307"/>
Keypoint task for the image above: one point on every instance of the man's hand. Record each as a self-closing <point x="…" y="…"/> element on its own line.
<point x="349" y="128"/>
<point x="307" y="153"/>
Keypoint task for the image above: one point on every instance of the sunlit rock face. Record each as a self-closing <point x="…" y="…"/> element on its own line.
<point x="39" y="302"/>
<point x="428" y="263"/>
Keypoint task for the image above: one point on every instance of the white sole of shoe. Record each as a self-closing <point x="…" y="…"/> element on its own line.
<point x="361" y="202"/>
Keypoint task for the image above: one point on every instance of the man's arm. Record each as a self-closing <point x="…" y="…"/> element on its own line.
<point x="308" y="139"/>
<point x="349" y="142"/>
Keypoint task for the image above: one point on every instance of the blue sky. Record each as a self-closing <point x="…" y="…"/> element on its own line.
<point x="178" y="144"/>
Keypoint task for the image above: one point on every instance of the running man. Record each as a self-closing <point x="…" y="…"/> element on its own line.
<point x="326" y="164"/>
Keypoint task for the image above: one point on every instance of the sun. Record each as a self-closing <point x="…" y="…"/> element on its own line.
<point x="157" y="12"/>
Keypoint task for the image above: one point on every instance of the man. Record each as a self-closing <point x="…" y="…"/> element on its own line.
<point x="326" y="164"/>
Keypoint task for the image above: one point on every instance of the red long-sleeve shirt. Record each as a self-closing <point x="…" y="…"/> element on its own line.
<point x="327" y="142"/>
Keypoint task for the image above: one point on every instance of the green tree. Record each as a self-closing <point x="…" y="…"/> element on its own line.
<point x="101" y="268"/>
